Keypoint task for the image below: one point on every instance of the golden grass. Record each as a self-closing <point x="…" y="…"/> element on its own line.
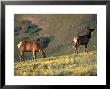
<point x="82" y="64"/>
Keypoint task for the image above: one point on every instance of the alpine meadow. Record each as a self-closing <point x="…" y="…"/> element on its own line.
<point x="54" y="34"/>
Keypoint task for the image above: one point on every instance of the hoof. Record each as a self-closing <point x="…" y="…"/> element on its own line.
<point x="44" y="56"/>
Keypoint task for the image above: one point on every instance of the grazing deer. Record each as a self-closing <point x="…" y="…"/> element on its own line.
<point x="82" y="40"/>
<point x="29" y="46"/>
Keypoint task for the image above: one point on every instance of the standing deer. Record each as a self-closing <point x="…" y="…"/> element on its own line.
<point x="29" y="46"/>
<point x="82" y="40"/>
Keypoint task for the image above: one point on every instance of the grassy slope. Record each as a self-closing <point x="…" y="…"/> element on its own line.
<point x="82" y="64"/>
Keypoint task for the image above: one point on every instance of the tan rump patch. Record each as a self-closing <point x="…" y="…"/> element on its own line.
<point x="75" y="39"/>
<point x="19" y="45"/>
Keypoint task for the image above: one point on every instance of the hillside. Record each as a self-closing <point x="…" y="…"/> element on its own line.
<point x="82" y="64"/>
<point x="58" y="30"/>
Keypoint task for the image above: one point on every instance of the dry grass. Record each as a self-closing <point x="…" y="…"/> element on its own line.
<point x="82" y="64"/>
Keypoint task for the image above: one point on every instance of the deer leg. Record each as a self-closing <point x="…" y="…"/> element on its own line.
<point x="34" y="55"/>
<point x="43" y="54"/>
<point x="76" y="48"/>
<point x="86" y="49"/>
<point x="21" y="56"/>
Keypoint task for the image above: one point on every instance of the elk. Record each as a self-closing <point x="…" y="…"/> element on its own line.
<point x="82" y="40"/>
<point x="29" y="46"/>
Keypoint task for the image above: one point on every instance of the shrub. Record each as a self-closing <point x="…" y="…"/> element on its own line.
<point x="44" y="41"/>
<point x="16" y="29"/>
<point x="16" y="33"/>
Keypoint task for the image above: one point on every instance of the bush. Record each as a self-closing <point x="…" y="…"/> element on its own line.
<point x="44" y="41"/>
<point x="32" y="26"/>
<point x="26" y="31"/>
<point x="16" y="29"/>
<point x="34" y="30"/>
<point x="16" y="33"/>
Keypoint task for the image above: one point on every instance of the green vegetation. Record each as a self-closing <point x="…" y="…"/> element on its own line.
<point x="83" y="64"/>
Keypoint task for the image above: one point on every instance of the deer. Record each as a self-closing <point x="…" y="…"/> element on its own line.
<point x="82" y="40"/>
<point x="29" y="46"/>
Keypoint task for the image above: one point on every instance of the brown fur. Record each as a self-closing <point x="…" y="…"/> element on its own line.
<point x="82" y="40"/>
<point x="29" y="46"/>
